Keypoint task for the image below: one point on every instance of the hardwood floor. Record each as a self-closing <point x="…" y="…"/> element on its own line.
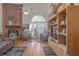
<point x="35" y="48"/>
<point x="19" y="42"/>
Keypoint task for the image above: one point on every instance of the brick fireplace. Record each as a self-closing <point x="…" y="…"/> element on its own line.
<point x="13" y="29"/>
<point x="12" y="19"/>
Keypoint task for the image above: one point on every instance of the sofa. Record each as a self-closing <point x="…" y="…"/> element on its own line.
<point x="27" y="37"/>
<point x="5" y="44"/>
<point x="43" y="37"/>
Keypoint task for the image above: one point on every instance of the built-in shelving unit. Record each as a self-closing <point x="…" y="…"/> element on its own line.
<point x="64" y="38"/>
<point x="62" y="28"/>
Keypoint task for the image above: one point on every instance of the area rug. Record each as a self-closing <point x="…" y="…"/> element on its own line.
<point x="48" y="51"/>
<point x="16" y="51"/>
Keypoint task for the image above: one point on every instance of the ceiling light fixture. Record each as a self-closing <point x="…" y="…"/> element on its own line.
<point x="26" y="13"/>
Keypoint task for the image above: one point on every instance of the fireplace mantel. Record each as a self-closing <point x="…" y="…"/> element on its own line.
<point x="19" y="26"/>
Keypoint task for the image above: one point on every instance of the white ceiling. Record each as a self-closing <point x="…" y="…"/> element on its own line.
<point x="36" y="9"/>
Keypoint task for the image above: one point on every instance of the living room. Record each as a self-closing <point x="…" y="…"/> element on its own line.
<point x="39" y="29"/>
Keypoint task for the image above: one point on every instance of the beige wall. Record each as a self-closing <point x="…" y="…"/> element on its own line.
<point x="1" y="19"/>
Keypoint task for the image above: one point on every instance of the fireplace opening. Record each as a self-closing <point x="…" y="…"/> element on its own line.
<point x="13" y="33"/>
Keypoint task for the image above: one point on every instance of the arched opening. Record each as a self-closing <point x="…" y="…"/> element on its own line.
<point x="38" y="25"/>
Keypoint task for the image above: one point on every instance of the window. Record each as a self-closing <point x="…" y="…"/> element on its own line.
<point x="38" y="25"/>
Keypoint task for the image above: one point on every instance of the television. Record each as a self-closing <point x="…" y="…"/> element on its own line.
<point x="54" y="31"/>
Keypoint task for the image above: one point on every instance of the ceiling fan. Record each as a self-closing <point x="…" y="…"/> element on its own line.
<point x="23" y="10"/>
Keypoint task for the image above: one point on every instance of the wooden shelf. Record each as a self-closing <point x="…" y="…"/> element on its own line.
<point x="13" y="25"/>
<point x="63" y="47"/>
<point x="54" y="16"/>
<point x="54" y="24"/>
<point x="62" y="34"/>
<point x="62" y="24"/>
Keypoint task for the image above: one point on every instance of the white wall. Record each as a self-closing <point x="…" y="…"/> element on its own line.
<point x="1" y="18"/>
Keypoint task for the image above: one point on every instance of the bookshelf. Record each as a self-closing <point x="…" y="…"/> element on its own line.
<point x="62" y="28"/>
<point x="53" y="28"/>
<point x="67" y="40"/>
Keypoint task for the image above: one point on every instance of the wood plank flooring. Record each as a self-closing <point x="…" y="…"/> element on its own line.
<point x="35" y="48"/>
